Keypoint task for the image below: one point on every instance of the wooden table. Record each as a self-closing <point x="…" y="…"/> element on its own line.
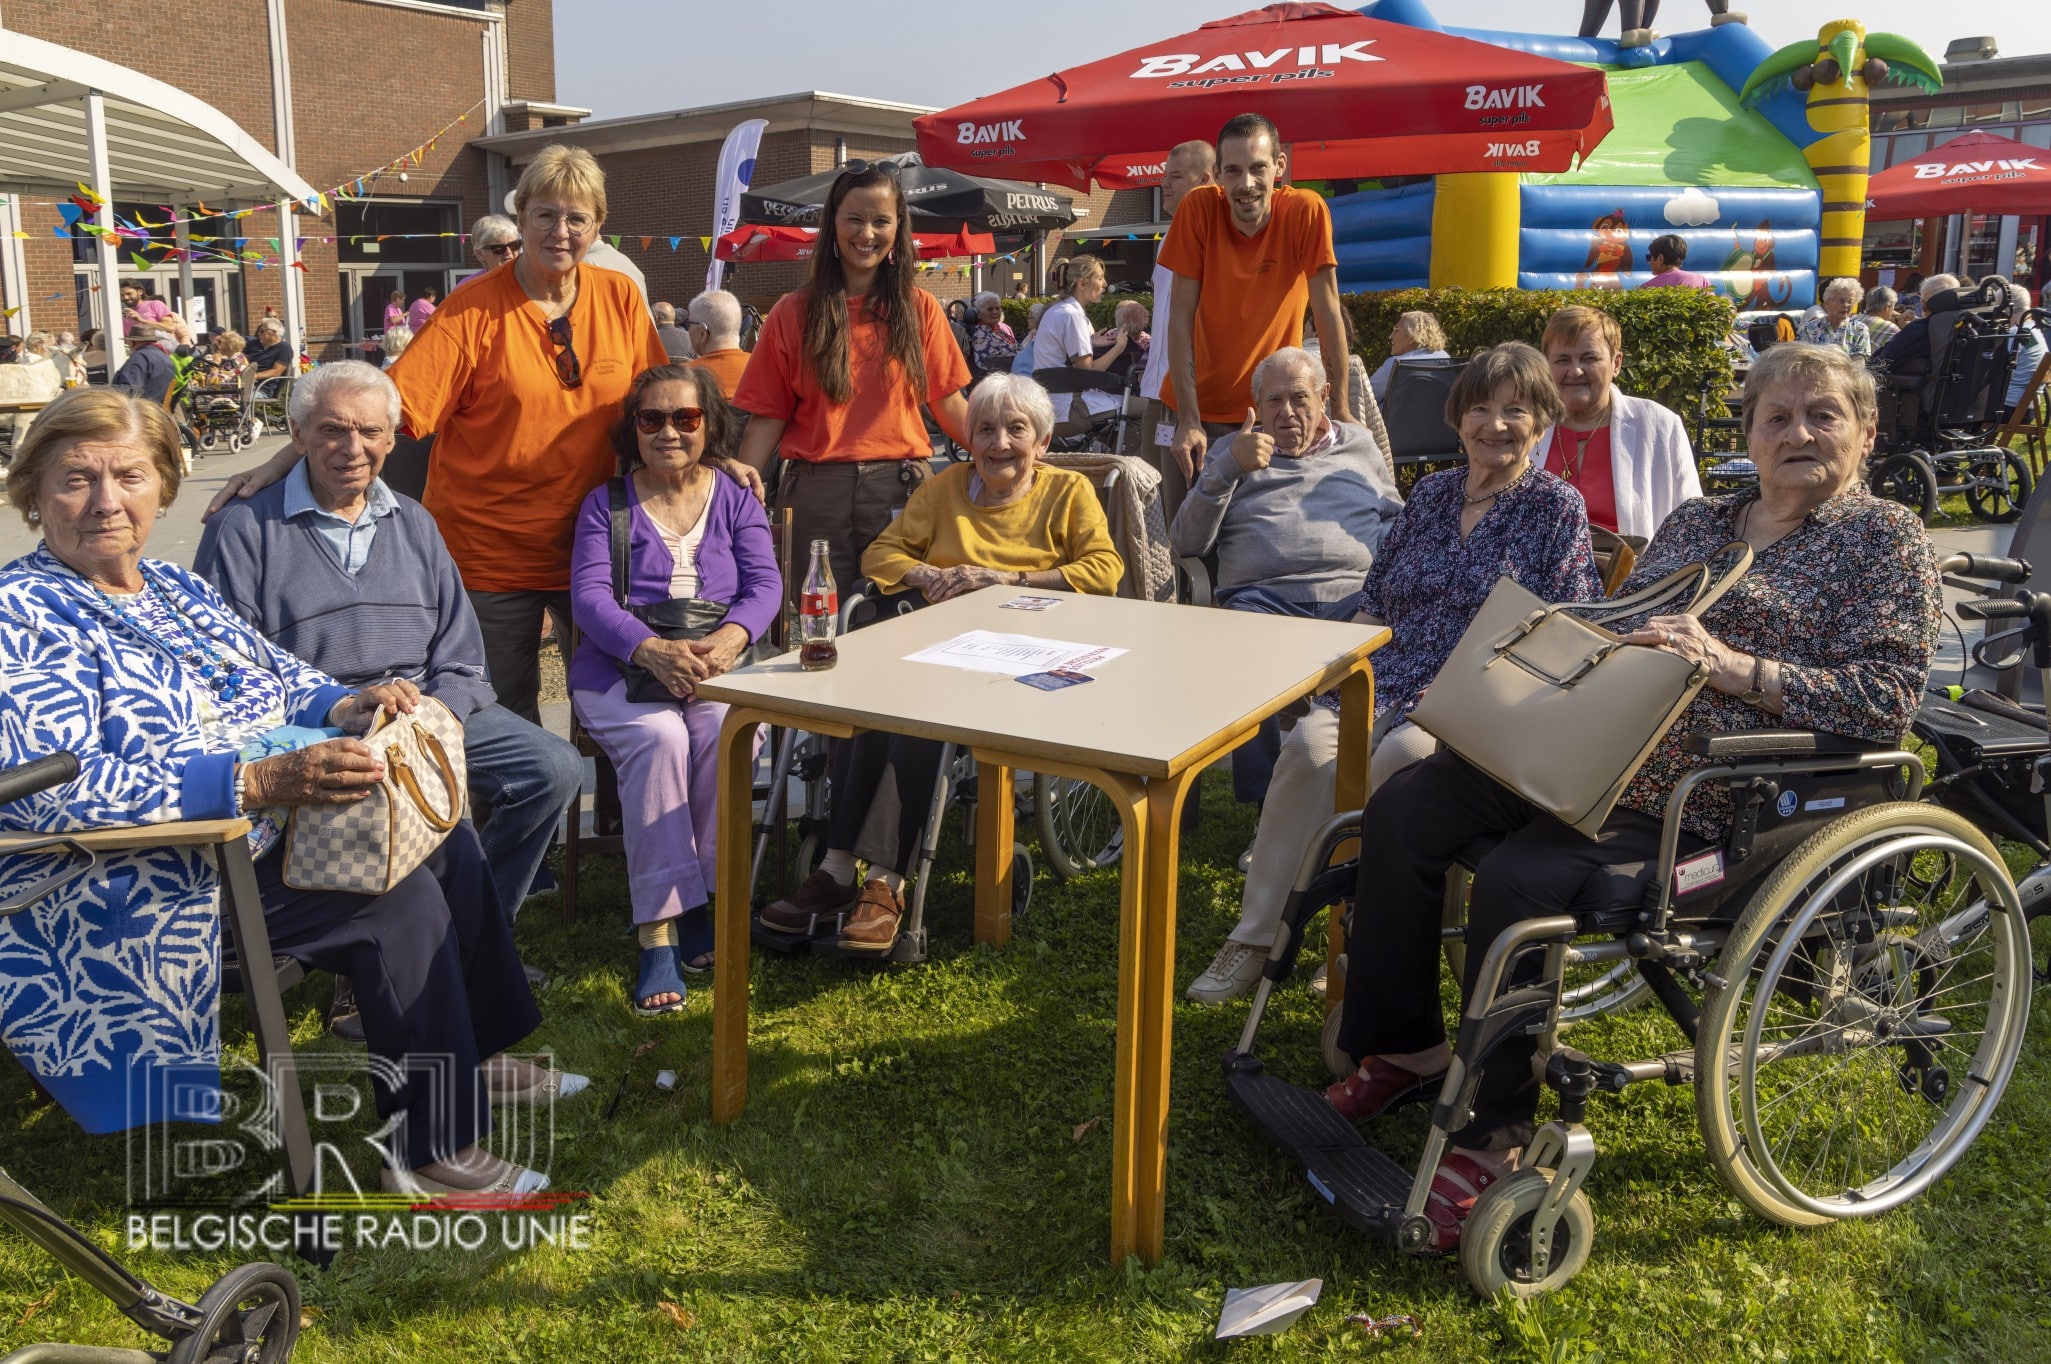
<point x="1195" y="683"/>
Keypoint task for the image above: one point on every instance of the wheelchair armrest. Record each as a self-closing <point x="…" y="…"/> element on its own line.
<point x="1201" y="592"/>
<point x="1778" y="743"/>
<point x="186" y="833"/>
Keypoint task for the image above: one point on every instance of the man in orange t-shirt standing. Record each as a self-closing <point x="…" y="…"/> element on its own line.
<point x="1247" y="253"/>
<point x="714" y="321"/>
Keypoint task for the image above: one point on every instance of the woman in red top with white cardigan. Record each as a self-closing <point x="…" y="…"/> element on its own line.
<point x="1629" y="458"/>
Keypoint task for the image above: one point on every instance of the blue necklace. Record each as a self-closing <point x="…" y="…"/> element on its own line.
<point x="222" y="676"/>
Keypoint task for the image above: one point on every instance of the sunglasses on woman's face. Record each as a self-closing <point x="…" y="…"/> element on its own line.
<point x="504" y="250"/>
<point x="649" y="420"/>
<point x="569" y="371"/>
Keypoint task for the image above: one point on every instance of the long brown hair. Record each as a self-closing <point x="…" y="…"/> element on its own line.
<point x="891" y="300"/>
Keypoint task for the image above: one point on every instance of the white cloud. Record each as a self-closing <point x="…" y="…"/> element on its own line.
<point x="1692" y="208"/>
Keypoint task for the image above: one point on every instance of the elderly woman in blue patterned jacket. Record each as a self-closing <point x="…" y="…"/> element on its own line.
<point x="176" y="709"/>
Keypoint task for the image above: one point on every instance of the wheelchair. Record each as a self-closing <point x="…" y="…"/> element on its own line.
<point x="251" y="1312"/>
<point x="264" y="402"/>
<point x="1850" y="970"/>
<point x="1937" y="428"/>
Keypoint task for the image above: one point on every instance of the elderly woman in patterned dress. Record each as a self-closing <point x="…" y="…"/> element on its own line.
<point x="1832" y="629"/>
<point x="1461" y="530"/>
<point x="177" y="710"/>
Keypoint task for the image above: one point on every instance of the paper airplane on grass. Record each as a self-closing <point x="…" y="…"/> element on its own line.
<point x="1267" y="1310"/>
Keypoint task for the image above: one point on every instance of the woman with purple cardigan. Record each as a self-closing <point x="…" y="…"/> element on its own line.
<point x="691" y="535"/>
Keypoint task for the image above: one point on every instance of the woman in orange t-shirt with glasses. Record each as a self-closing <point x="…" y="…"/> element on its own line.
<point x="841" y="370"/>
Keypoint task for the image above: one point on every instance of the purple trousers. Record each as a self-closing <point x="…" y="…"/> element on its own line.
<point x="667" y="756"/>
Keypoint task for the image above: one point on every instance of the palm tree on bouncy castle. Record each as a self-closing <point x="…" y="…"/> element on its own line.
<point x="1836" y="72"/>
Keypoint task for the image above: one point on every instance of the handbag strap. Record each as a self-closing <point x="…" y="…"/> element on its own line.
<point x="431" y="746"/>
<point x="620" y="526"/>
<point x="1709" y="587"/>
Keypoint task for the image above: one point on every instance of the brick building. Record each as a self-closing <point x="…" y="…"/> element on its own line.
<point x="337" y="89"/>
<point x="660" y="170"/>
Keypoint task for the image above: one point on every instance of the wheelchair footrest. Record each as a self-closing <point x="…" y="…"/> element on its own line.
<point x="762" y="935"/>
<point x="1365" y="1188"/>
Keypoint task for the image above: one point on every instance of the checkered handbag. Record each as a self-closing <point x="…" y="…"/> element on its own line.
<point x="373" y="844"/>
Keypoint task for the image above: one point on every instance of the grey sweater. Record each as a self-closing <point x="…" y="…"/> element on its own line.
<point x="404" y="615"/>
<point x="1306" y="529"/>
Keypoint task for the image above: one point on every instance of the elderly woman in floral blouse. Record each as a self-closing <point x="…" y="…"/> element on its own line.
<point x="1461" y="530"/>
<point x="1832" y="629"/>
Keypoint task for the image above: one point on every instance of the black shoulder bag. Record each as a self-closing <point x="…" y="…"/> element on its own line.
<point x="672" y="618"/>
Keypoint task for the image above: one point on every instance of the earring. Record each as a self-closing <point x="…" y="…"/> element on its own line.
<point x="891" y="256"/>
<point x="34" y="515"/>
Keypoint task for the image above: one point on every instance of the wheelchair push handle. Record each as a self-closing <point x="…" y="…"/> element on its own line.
<point x="1986" y="568"/>
<point x="25" y="779"/>
<point x="1996" y="608"/>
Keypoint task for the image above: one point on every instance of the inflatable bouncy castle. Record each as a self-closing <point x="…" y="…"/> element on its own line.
<point x="1719" y="139"/>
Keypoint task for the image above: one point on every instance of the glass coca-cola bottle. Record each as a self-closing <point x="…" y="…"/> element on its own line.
<point x="818" y="614"/>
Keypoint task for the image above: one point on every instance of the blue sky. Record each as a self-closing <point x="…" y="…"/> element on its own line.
<point x="618" y="57"/>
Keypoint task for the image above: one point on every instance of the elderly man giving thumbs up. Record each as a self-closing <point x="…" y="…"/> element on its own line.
<point x="1294" y="504"/>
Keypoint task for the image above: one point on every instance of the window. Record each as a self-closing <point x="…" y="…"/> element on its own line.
<point x="1945" y="116"/>
<point x="1909" y="147"/>
<point x="2033" y="106"/>
<point x="399" y="232"/>
<point x="1988" y="111"/>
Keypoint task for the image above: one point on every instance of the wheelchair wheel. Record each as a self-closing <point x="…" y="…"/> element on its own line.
<point x="1079" y="826"/>
<point x="1495" y="1245"/>
<point x="1872" y="1004"/>
<point x="1998" y="485"/>
<point x="250" y="1314"/>
<point x="1336" y="1060"/>
<point x="1907" y="477"/>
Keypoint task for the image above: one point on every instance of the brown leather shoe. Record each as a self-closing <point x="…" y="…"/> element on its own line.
<point x="819" y="896"/>
<point x="871" y="931"/>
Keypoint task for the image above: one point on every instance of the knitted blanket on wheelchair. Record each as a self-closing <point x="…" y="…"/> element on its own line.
<point x="1139" y="527"/>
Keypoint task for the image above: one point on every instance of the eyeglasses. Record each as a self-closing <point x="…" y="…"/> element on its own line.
<point x="579" y="224"/>
<point x="504" y="250"/>
<point x="649" y="420"/>
<point x="569" y="371"/>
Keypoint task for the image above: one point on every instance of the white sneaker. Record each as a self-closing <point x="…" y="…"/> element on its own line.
<point x="1246" y="858"/>
<point x="1232" y="973"/>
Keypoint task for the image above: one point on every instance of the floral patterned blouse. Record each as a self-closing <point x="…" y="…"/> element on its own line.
<point x="995" y="347"/>
<point x="1853" y="336"/>
<point x="1427" y="583"/>
<point x="1848" y="605"/>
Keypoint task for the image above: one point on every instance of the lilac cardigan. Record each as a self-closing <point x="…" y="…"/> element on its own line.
<point x="736" y="565"/>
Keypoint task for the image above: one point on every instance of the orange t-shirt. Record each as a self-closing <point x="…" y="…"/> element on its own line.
<point x="727" y="366"/>
<point x="881" y="420"/>
<point x="1254" y="288"/>
<point x="515" y="452"/>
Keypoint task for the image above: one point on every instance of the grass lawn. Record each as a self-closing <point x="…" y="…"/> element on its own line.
<point x="923" y="1174"/>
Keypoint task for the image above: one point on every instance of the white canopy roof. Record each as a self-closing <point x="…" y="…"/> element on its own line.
<point x="162" y="143"/>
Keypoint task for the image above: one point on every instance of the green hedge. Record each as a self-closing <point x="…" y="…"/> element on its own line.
<point x="1673" y="338"/>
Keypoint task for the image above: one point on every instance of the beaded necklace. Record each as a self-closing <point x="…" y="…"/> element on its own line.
<point x="195" y="650"/>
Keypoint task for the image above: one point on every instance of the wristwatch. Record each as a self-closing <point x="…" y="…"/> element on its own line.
<point x="1755" y="693"/>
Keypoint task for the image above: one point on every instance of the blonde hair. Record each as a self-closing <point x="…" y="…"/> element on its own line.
<point x="93" y="414"/>
<point x="1081" y="270"/>
<point x="1424" y="329"/>
<point x="1565" y="327"/>
<point x="231" y="343"/>
<point x="568" y="173"/>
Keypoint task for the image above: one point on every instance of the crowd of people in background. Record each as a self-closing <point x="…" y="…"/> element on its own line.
<point x="606" y="469"/>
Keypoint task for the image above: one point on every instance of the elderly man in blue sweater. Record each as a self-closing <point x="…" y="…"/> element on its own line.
<point x="1294" y="504"/>
<point x="335" y="567"/>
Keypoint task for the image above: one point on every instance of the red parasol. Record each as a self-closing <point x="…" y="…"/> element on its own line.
<point x="1976" y="173"/>
<point x="1354" y="97"/>
<point x="759" y="244"/>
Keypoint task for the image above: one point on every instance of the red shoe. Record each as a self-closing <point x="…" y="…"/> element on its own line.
<point x="1379" y="1086"/>
<point x="1455" y="1186"/>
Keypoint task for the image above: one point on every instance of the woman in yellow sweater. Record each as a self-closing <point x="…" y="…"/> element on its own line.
<point x="1001" y="520"/>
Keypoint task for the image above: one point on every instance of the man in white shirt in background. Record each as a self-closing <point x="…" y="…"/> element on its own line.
<point x="1189" y="165"/>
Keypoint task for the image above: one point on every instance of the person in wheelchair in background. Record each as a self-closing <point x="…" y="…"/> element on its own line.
<point x="1832" y="629"/>
<point x="1002" y="519"/>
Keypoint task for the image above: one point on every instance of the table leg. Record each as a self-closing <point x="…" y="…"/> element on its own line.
<point x="994" y="837"/>
<point x="1154" y="1014"/>
<point x="730" y="916"/>
<point x="1356" y="723"/>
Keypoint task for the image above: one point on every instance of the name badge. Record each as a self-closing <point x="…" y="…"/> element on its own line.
<point x="1164" y="434"/>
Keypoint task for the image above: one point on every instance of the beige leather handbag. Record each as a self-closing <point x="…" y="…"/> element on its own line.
<point x="1554" y="706"/>
<point x="373" y="844"/>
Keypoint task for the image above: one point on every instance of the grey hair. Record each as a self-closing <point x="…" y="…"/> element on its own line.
<point x="338" y="377"/>
<point x="1802" y="363"/>
<point x="395" y="341"/>
<point x="1033" y="315"/>
<point x="2018" y="303"/>
<point x="719" y="313"/>
<point x="984" y="300"/>
<point x="270" y="324"/>
<point x="492" y="230"/>
<point x="1938" y="284"/>
<point x="40" y="342"/>
<point x="1880" y="298"/>
<point x="1845" y="286"/>
<point x="1290" y="360"/>
<point x="999" y="392"/>
<point x="665" y="314"/>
